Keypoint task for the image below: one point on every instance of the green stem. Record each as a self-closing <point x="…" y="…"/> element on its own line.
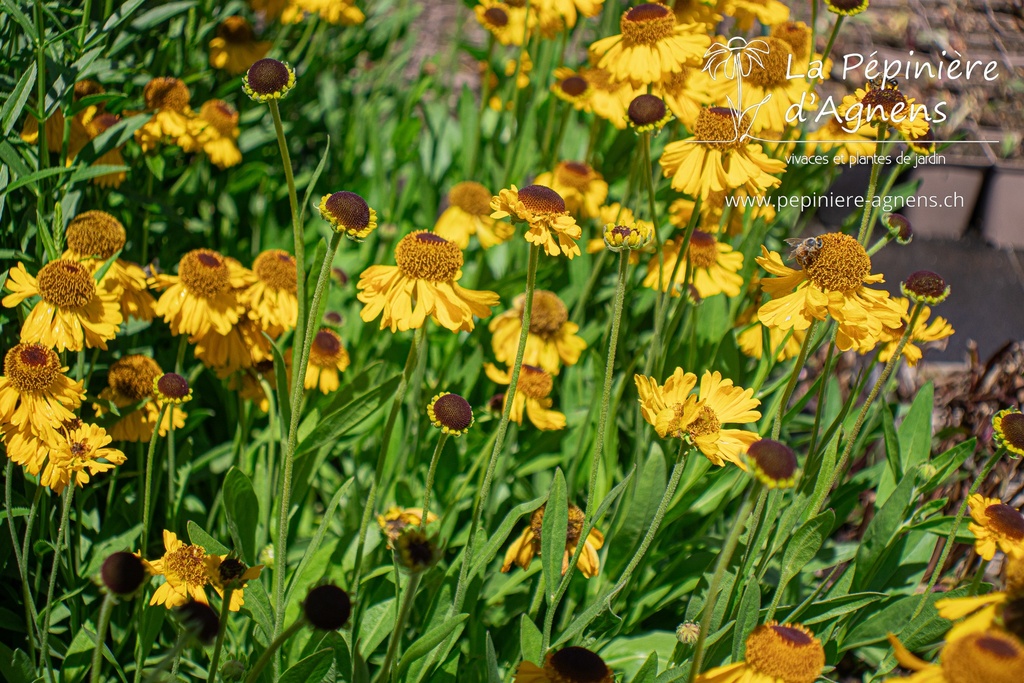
<point x="85" y="22"/>
<point x="852" y="438"/>
<point x="58" y="551"/>
<point x="148" y="491"/>
<point x="396" y="633"/>
<point x="298" y="234"/>
<point x="430" y="480"/>
<point x="514" y="152"/>
<point x="44" y="150"/>
<point x="600" y="436"/>
<point x="22" y="560"/>
<point x="106" y="609"/>
<point x="724" y="557"/>
<point x="826" y="372"/>
<point x="659" y="301"/>
<point x="499" y="441"/>
<point x="876" y="169"/>
<point x="787" y="393"/>
<point x="225" y="612"/>
<point x="951" y="538"/>
<point x="272" y="649"/>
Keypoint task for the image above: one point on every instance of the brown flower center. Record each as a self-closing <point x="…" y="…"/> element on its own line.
<point x="721" y="128"/>
<point x="704" y="424"/>
<point x="1012" y="427"/>
<point x="573" y="86"/>
<point x="840" y="265"/>
<point x="548" y="314"/>
<point x="796" y="34"/>
<point x="768" y="70"/>
<point x="926" y="285"/>
<point x="453" y="412"/>
<point x="425" y="256"/>
<point x="230" y="569"/>
<point x="646" y="24"/>
<point x="1006" y="521"/>
<point x="535" y="383"/>
<point x="204" y="273"/>
<point x="577" y="665"/>
<point x="276" y="269"/>
<point x="349" y="209"/>
<point x="496" y="17"/>
<point x="95" y="233"/>
<point x="776" y="461"/>
<point x="574" y="174"/>
<point x="235" y="30"/>
<point x="989" y="657"/>
<point x="787" y="653"/>
<point x="471" y="197"/>
<point x="188" y="563"/>
<point x="703" y="249"/>
<point x="172" y="386"/>
<point x="541" y="200"/>
<point x="646" y="110"/>
<point x="880" y="104"/>
<point x="31" y="367"/>
<point x="132" y="376"/>
<point x="268" y="76"/>
<point x="326" y="349"/>
<point x="166" y="92"/>
<point x="66" y="284"/>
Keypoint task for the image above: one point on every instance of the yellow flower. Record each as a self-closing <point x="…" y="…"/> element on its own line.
<point x="241" y="348"/>
<point x="94" y="121"/>
<point x="92" y="238"/>
<point x="543" y="210"/>
<point x="506" y="21"/>
<point x="528" y="545"/>
<point x="183" y="567"/>
<point x="846" y="7"/>
<point x="980" y="613"/>
<point x="924" y="331"/>
<point x="719" y="157"/>
<point x="423" y="283"/>
<point x="556" y="16"/>
<point x="985" y="657"/>
<point x="215" y="132"/>
<point x="223" y="570"/>
<point x="571" y="87"/>
<point x="713" y="212"/>
<point x="130" y="382"/>
<point x="581" y="187"/>
<point x="77" y="452"/>
<point x="1008" y="426"/>
<point x="995" y="525"/>
<point x="569" y="665"/>
<point x="168" y="98"/>
<point x="397" y="519"/>
<point x="74" y="311"/>
<point x="607" y="98"/>
<point x="343" y="12"/>
<point x="830" y="282"/>
<point x="552" y="339"/>
<point x="768" y="12"/>
<point x="533" y="393"/>
<point x="348" y="213"/>
<point x="651" y="45"/>
<point x="884" y="105"/>
<point x="202" y="296"/>
<point x="697" y="12"/>
<point x="327" y="357"/>
<point x="775" y="653"/>
<point x="684" y="93"/>
<point x="272" y="298"/>
<point x="35" y="395"/>
<point x="750" y="338"/>
<point x="856" y="143"/>
<point x="715" y="266"/>
<point x="675" y="412"/>
<point x="54" y="125"/>
<point x="235" y="48"/>
<point x="469" y="213"/>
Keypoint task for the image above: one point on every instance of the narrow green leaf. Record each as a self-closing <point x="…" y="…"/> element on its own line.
<point x="747" y="617"/>
<point x="336" y="424"/>
<point x="806" y="543"/>
<point x="99" y="274"/>
<point x="428" y="641"/>
<point x="312" y="668"/>
<point x="882" y="530"/>
<point x="242" y="508"/>
<point x="493" y="675"/>
<point x="915" y="432"/>
<point x="554" y="527"/>
<point x="497" y="539"/>
<point x="159" y="15"/>
<point x="208" y="542"/>
<point x="530" y="640"/>
<point x="284" y="401"/>
<point x="16" y="99"/>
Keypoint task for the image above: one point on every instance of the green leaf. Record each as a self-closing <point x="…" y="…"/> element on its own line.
<point x="257" y="605"/>
<point x="78" y="658"/>
<point x="497" y="539"/>
<point x="882" y="531"/>
<point x="16" y="99"/>
<point x="648" y="672"/>
<point x="832" y="608"/>
<point x="208" y="542"/>
<point x="493" y="675"/>
<point x="428" y="641"/>
<point x="242" y="508"/>
<point x="99" y="274"/>
<point x="312" y="668"/>
<point x="554" y="528"/>
<point x="284" y="401"/>
<point x="31" y="178"/>
<point x="747" y="617"/>
<point x="947" y="464"/>
<point x="806" y="543"/>
<point x="311" y="186"/>
<point x="894" y="471"/>
<point x="377" y="624"/>
<point x="915" y="432"/>
<point x="336" y="424"/>
<point x="159" y="15"/>
<point x="530" y="640"/>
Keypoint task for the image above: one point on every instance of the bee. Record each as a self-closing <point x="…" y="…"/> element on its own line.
<point x="805" y="250"/>
<point x="880" y="82"/>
